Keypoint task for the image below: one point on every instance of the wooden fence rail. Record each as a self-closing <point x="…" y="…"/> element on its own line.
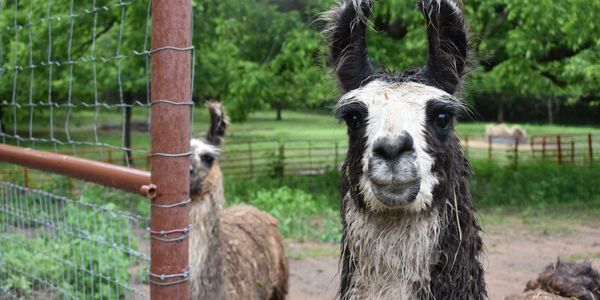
<point x="252" y="159"/>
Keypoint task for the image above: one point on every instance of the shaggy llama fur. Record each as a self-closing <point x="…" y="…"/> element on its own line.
<point x="409" y="225"/>
<point x="235" y="253"/>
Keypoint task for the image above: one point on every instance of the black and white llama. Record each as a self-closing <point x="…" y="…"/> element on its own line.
<point x="410" y="230"/>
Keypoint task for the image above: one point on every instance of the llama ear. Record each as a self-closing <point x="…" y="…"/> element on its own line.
<point x="448" y="43"/>
<point x="218" y="123"/>
<point x="345" y="30"/>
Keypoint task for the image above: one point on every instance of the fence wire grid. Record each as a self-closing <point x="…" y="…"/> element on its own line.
<point x="75" y="80"/>
<point x="75" y="74"/>
<point x="57" y="248"/>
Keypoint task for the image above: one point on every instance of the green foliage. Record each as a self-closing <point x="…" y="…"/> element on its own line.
<point x="262" y="54"/>
<point x="537" y="185"/>
<point x="306" y="207"/>
<point x="82" y="253"/>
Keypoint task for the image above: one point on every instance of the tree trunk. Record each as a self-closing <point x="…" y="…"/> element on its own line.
<point x="127" y="138"/>
<point x="550" y="111"/>
<point x="501" y="110"/>
<point x="279" y="108"/>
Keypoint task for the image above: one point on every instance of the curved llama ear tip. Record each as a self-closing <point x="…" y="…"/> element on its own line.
<point x="345" y="30"/>
<point x="218" y="122"/>
<point x="447" y="33"/>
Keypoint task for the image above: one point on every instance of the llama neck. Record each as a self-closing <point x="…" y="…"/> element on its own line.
<point x="390" y="253"/>
<point x="205" y="258"/>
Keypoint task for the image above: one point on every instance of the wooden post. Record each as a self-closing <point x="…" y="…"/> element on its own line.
<point x="25" y="177"/>
<point x="516" y="151"/>
<point x="590" y="149"/>
<point x="335" y="156"/>
<point x="309" y="154"/>
<point x="467" y="146"/>
<point x="544" y="148"/>
<point x="559" y="149"/>
<point x="490" y="147"/>
<point x="110" y="156"/>
<point x="572" y="150"/>
<point x="250" y="159"/>
<point x="282" y="158"/>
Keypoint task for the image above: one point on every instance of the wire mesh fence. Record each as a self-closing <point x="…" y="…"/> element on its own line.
<point x="75" y="79"/>
<point x="75" y="74"/>
<point x="54" y="247"/>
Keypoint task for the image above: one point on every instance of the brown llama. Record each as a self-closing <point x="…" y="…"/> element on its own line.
<point x="237" y="252"/>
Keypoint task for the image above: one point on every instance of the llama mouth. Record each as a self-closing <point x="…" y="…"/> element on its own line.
<point x="396" y="195"/>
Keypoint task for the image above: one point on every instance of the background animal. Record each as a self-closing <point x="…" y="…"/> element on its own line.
<point x="409" y="226"/>
<point x="235" y="253"/>
<point x="560" y="279"/>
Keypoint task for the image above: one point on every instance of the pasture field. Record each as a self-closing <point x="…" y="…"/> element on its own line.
<point x="532" y="203"/>
<point x="260" y="126"/>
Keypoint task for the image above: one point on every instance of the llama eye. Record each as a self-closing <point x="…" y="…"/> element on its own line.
<point x="443" y="120"/>
<point x="207" y="159"/>
<point x="353" y="121"/>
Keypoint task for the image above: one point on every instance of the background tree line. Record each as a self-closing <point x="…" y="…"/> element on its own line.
<point x="532" y="60"/>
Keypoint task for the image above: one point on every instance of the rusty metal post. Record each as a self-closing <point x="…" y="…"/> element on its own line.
<point x="127" y="179"/>
<point x="171" y="101"/>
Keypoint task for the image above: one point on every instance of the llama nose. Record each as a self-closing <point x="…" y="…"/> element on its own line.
<point x="392" y="147"/>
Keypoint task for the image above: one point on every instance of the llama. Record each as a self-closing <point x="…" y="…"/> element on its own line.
<point x="235" y="253"/>
<point x="560" y="280"/>
<point x="409" y="225"/>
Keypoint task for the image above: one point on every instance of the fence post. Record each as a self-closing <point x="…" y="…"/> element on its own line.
<point x="490" y="147"/>
<point x="467" y="145"/>
<point x="590" y="149"/>
<point x="282" y="158"/>
<point x="25" y="177"/>
<point x="572" y="150"/>
<point x="310" y="161"/>
<point x="335" y="155"/>
<point x="544" y="148"/>
<point x="559" y="149"/>
<point x="250" y="159"/>
<point x="171" y="59"/>
<point x="516" y="155"/>
<point x="110" y="156"/>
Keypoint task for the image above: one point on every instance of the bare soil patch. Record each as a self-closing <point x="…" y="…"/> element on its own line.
<point x="514" y="254"/>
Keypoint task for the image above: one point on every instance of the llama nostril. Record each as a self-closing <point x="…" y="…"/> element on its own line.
<point x="390" y="148"/>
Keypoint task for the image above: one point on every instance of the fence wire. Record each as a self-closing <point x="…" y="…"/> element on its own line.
<point x="75" y="74"/>
<point x="54" y="247"/>
<point x="75" y="80"/>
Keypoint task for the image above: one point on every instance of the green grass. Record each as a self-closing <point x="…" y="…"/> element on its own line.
<point x="544" y="197"/>
<point x="260" y="126"/>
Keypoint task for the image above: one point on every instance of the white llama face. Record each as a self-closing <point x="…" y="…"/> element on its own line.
<point x="395" y="125"/>
<point x="204" y="157"/>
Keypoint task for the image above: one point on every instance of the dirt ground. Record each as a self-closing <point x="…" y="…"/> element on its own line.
<point x="515" y="254"/>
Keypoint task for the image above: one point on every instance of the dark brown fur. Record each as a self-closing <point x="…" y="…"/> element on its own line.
<point x="569" y="279"/>
<point x="457" y="272"/>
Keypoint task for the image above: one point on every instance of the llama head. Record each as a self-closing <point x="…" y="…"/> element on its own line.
<point x="204" y="168"/>
<point x="400" y="125"/>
